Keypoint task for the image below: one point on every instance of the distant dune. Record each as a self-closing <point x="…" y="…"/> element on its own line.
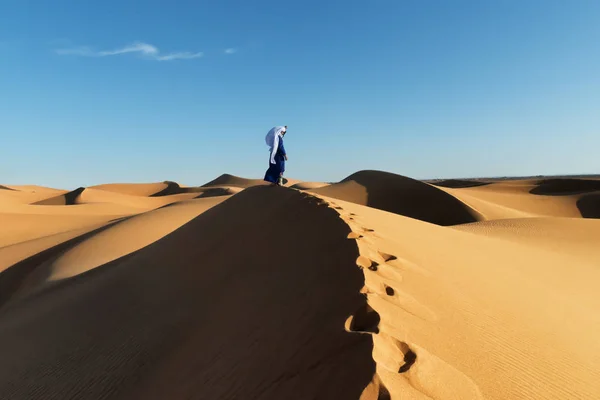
<point x="376" y="287"/>
<point x="401" y="195"/>
<point x="231" y="180"/>
<point x="308" y="185"/>
<point x="139" y="189"/>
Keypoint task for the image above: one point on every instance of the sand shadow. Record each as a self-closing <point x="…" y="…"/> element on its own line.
<point x="67" y="199"/>
<point x="589" y="205"/>
<point x="459" y="183"/>
<point x="405" y="196"/>
<point x="172" y="188"/>
<point x="20" y="277"/>
<point x="565" y="186"/>
<point x="247" y="300"/>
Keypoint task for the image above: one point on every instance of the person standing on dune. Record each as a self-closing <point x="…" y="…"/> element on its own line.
<point x="278" y="156"/>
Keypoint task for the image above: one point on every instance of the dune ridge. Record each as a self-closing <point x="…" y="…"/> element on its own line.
<point x="232" y="180"/>
<point x="409" y="298"/>
<point x="377" y="287"/>
<point x="401" y="195"/>
<point x="531" y="198"/>
<point x="164" y="343"/>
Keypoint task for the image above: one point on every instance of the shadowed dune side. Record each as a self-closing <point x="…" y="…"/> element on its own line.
<point x="116" y="240"/>
<point x="589" y="205"/>
<point x="13" y="278"/>
<point x="17" y="228"/>
<point x="247" y="300"/>
<point x="17" y="252"/>
<point x="123" y="238"/>
<point x="401" y="195"/>
<point x="459" y="183"/>
<point x="67" y="199"/>
<point x="565" y="186"/>
<point x="5" y="188"/>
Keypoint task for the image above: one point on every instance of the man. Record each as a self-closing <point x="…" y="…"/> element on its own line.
<point x="278" y="156"/>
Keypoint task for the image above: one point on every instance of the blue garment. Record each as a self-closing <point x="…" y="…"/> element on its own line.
<point x="278" y="168"/>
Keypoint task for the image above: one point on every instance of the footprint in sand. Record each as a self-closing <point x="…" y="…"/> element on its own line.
<point x="354" y="235"/>
<point x="364" y="320"/>
<point x="389" y="290"/>
<point x="393" y="354"/>
<point x="387" y="257"/>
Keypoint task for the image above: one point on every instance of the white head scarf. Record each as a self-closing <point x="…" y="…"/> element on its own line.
<point x="272" y="140"/>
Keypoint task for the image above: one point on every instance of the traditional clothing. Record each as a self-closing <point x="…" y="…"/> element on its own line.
<point x="274" y="140"/>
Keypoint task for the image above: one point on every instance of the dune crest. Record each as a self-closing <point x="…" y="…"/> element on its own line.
<point x="435" y="316"/>
<point x="401" y="195"/>
<point x="231" y="180"/>
<point x="531" y="198"/>
<point x="138" y="189"/>
<point x="377" y="287"/>
<point x="180" y="309"/>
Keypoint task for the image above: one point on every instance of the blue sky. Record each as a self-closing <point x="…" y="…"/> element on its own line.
<point x="123" y="91"/>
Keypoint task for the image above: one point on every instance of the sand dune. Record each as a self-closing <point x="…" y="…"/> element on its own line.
<point x="126" y="237"/>
<point x="308" y="185"/>
<point x="459" y="183"/>
<point x="26" y="194"/>
<point x="169" y="320"/>
<point x="17" y="228"/>
<point x="589" y="205"/>
<point x="227" y="180"/>
<point x="532" y="198"/>
<point x="138" y="189"/>
<point x="377" y="287"/>
<point x="558" y="187"/>
<point x="231" y="180"/>
<point x="479" y="316"/>
<point x="14" y="253"/>
<point x="401" y="195"/>
<point x="91" y="196"/>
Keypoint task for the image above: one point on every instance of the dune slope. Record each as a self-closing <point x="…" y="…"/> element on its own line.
<point x="379" y="287"/>
<point x="455" y="314"/>
<point x="247" y="300"/>
<point x="401" y="195"/>
<point x="589" y="205"/>
<point x="231" y="180"/>
<point x="511" y="199"/>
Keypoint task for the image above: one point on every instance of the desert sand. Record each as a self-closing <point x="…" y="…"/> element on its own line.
<point x="376" y="287"/>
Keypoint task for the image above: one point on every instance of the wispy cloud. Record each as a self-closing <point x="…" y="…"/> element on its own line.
<point x="146" y="50"/>
<point x="230" y="50"/>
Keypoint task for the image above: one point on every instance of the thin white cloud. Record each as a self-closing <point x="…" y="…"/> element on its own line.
<point x="147" y="50"/>
<point x="230" y="50"/>
<point x="186" y="55"/>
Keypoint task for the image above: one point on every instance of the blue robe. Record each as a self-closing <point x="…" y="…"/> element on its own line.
<point x="278" y="168"/>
